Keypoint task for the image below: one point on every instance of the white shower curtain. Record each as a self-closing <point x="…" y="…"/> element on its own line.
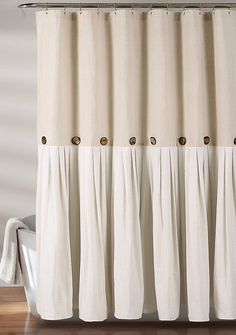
<point x="136" y="195"/>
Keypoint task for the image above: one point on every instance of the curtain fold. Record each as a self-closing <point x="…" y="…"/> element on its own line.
<point x="225" y="241"/>
<point x="128" y="267"/>
<point x="164" y="190"/>
<point x="93" y="287"/>
<point x="136" y="193"/>
<point x="54" y="297"/>
<point x="197" y="239"/>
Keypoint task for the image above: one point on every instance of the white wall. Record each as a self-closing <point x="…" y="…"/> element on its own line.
<point x="18" y="150"/>
<point x="18" y="157"/>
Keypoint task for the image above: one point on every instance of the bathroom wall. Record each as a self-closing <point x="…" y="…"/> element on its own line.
<point x="18" y="157"/>
<point x="18" y="151"/>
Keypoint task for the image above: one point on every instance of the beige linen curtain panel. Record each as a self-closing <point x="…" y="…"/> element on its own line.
<point x="136" y="195"/>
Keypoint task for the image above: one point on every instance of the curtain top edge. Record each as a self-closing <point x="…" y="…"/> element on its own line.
<point x="61" y="12"/>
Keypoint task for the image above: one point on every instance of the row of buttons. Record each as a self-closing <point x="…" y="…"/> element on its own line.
<point x="104" y="140"/>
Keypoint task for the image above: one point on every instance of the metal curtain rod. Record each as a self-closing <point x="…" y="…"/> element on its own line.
<point x="126" y="5"/>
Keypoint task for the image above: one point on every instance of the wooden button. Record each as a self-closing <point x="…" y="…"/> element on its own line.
<point x="132" y="140"/>
<point x="182" y="140"/>
<point x="206" y="140"/>
<point x="44" y="140"/>
<point x="153" y="140"/>
<point x="76" y="140"/>
<point x="103" y="141"/>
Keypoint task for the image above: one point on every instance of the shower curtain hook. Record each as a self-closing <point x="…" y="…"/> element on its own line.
<point x="213" y="9"/>
<point x="22" y="11"/>
<point x="46" y="8"/>
<point x="132" y="8"/>
<point x="200" y="9"/>
<point x="151" y="9"/>
<point x="115" y="8"/>
<point x="184" y="10"/>
<point x="167" y="8"/>
<point x="98" y="9"/>
<point x="229" y="10"/>
<point x="80" y="8"/>
<point x="64" y="10"/>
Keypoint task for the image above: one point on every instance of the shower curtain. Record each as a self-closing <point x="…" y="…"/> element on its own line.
<point x="136" y="193"/>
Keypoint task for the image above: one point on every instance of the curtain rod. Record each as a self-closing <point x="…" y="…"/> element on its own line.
<point x="126" y="5"/>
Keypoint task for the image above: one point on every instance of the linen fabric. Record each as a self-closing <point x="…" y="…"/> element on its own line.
<point x="144" y="220"/>
<point x="143" y="74"/>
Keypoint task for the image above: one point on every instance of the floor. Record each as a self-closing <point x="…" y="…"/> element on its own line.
<point x="14" y="319"/>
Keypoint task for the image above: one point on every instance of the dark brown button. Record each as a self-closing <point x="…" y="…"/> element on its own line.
<point x="132" y="140"/>
<point x="206" y="140"/>
<point x="182" y="140"/>
<point x="153" y="140"/>
<point x="103" y="141"/>
<point x="235" y="141"/>
<point x="44" y="140"/>
<point x="76" y="140"/>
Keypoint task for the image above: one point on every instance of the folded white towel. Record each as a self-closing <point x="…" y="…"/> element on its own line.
<point x="9" y="266"/>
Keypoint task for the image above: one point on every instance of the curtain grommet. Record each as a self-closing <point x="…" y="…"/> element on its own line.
<point x="104" y="141"/>
<point x="44" y="140"/>
<point x="206" y="140"/>
<point x="235" y="140"/>
<point x="132" y="140"/>
<point x="182" y="140"/>
<point x="76" y="140"/>
<point x="153" y="140"/>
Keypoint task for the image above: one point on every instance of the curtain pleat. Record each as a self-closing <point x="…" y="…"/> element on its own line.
<point x="197" y="241"/>
<point x="164" y="190"/>
<point x="146" y="222"/>
<point x="150" y="236"/>
<point x="128" y="267"/>
<point x="225" y="240"/>
<point x="54" y="296"/>
<point x="93" y="285"/>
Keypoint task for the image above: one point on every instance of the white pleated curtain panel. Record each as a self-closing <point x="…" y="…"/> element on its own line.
<point x="136" y="195"/>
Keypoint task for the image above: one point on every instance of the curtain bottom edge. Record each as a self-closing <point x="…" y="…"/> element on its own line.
<point x="142" y="318"/>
